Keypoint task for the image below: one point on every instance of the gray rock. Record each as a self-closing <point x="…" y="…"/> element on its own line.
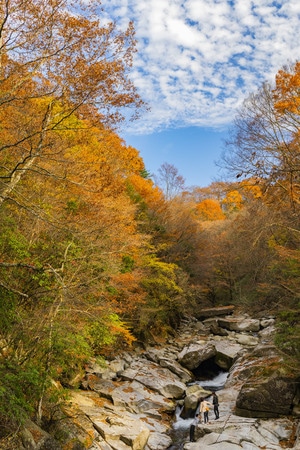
<point x="193" y="355"/>
<point x="266" y="398"/>
<point x="156" y="378"/>
<point x="247" y="340"/>
<point x="240" y="324"/>
<point x="137" y="398"/>
<point x="264" y="323"/>
<point x="34" y="438"/>
<point x="226" y="353"/>
<point x="125" y="429"/>
<point x="184" y="374"/>
<point x="159" y="441"/>
<point x="214" y="312"/>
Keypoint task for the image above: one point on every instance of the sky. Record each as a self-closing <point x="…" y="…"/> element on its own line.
<point x="197" y="60"/>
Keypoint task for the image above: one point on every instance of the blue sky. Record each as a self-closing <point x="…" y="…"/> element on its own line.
<point x="192" y="150"/>
<point x="197" y="61"/>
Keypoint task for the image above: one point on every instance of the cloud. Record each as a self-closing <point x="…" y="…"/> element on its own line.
<point x="197" y="60"/>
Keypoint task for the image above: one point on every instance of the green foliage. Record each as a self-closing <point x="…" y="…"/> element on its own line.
<point x="288" y="333"/>
<point x="145" y="174"/>
<point x="12" y="242"/>
<point x="9" y="316"/>
<point x="20" y="389"/>
<point x="69" y="352"/>
<point x="127" y="264"/>
<point x="72" y="206"/>
<point x="166" y="300"/>
<point x="106" y="332"/>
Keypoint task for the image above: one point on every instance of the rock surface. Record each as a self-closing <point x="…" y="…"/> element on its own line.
<point x="130" y="403"/>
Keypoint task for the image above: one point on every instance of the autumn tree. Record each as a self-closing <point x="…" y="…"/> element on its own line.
<point x="67" y="223"/>
<point x="209" y="209"/>
<point x="264" y="141"/>
<point x="263" y="152"/>
<point x="57" y="58"/>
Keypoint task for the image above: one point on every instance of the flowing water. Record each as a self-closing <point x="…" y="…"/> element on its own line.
<point x="180" y="430"/>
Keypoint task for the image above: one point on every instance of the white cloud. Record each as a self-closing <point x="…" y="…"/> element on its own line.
<point x="198" y="59"/>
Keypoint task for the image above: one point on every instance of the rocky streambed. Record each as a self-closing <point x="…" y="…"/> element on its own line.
<point x="131" y="404"/>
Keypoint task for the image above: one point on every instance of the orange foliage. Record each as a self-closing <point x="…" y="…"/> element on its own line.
<point x="151" y="194"/>
<point x="286" y="93"/>
<point x="210" y="209"/>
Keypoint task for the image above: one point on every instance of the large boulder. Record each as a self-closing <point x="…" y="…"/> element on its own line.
<point x="272" y="397"/>
<point x="266" y="389"/>
<point x="139" y="399"/>
<point x="194" y="354"/>
<point x="156" y="378"/>
<point x="34" y="438"/>
<point x="247" y="340"/>
<point x="240" y="324"/>
<point x="226" y="352"/>
<point x="217" y="311"/>
<point x="192" y="399"/>
<point x="159" y="441"/>
<point x="90" y="418"/>
<point x="184" y="374"/>
<point x="131" y="432"/>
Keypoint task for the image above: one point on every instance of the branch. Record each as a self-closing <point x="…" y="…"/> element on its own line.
<point x="14" y="290"/>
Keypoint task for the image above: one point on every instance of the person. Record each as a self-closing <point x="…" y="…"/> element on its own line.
<point x="204" y="408"/>
<point x="193" y="427"/>
<point x="216" y="405"/>
<point x="199" y="411"/>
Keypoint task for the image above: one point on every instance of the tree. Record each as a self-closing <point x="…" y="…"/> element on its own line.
<point x="57" y="59"/>
<point x="209" y="209"/>
<point x="264" y="141"/>
<point x="169" y="180"/>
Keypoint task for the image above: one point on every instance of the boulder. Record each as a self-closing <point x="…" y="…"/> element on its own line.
<point x="272" y="397"/>
<point x="34" y="438"/>
<point x="214" y="312"/>
<point x="194" y="354"/>
<point x="264" y="323"/>
<point x="240" y="324"/>
<point x="247" y="340"/>
<point x="124" y="429"/>
<point x="120" y="429"/>
<point x="138" y="399"/>
<point x="216" y="330"/>
<point x="191" y="400"/>
<point x="226" y="352"/>
<point x="159" y="441"/>
<point x="155" y="378"/>
<point x="184" y="374"/>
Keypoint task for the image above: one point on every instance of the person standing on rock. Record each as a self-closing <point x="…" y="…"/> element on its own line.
<point x="199" y="411"/>
<point x="216" y="405"/>
<point x="204" y="408"/>
<point x="193" y="427"/>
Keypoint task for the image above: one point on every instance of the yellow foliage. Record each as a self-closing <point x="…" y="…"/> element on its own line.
<point x="233" y="201"/>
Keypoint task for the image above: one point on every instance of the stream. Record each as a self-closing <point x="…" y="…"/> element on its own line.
<point x="180" y="430"/>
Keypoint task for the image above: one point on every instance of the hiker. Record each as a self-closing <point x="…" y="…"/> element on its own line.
<point x="216" y="405"/>
<point x="204" y="408"/>
<point x="193" y="427"/>
<point x="199" y="411"/>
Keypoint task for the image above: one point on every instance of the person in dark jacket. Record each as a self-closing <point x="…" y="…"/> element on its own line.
<point x="193" y="427"/>
<point x="216" y="405"/>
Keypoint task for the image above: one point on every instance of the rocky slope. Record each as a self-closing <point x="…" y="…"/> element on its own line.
<point x="130" y="404"/>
